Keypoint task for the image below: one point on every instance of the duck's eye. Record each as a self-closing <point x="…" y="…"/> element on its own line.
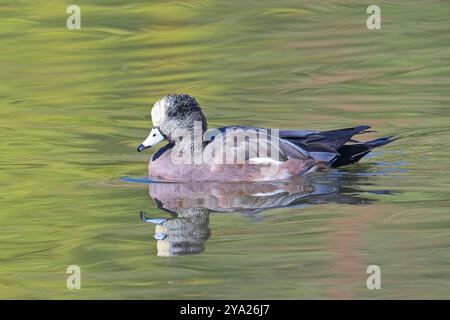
<point x="154" y="134"/>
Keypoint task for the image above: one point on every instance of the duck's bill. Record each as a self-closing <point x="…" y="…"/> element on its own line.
<point x="153" y="138"/>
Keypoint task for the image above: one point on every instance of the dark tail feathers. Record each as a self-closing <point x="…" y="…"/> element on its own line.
<point x="351" y="153"/>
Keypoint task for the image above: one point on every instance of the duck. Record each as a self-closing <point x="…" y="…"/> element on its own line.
<point x="194" y="153"/>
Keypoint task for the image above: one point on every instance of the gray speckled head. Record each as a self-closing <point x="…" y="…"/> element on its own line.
<point x="177" y="111"/>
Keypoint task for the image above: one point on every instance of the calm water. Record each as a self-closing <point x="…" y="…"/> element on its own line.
<point x="74" y="105"/>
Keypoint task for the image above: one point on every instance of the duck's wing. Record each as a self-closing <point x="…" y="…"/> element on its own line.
<point x="333" y="138"/>
<point x="251" y="144"/>
<point x="335" y="147"/>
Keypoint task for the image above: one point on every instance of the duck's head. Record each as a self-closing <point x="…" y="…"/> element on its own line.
<point x="171" y="115"/>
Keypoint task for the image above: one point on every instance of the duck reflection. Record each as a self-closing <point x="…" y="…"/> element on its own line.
<point x="189" y="204"/>
<point x="184" y="234"/>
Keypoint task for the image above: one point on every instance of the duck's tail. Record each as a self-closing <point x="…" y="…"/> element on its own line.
<point x="351" y="153"/>
<point x="335" y="147"/>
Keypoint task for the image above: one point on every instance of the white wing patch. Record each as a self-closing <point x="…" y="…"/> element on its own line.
<point x="264" y="161"/>
<point x="266" y="194"/>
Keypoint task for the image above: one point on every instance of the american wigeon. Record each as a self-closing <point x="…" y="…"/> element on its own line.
<point x="241" y="153"/>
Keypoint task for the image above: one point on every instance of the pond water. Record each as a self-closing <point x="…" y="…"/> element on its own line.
<point x="75" y="104"/>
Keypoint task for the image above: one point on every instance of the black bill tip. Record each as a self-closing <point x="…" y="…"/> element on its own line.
<point x="141" y="147"/>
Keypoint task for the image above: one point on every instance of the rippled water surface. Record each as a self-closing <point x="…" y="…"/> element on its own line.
<point x="75" y="103"/>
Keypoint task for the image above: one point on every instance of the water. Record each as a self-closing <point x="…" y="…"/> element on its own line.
<point x="75" y="104"/>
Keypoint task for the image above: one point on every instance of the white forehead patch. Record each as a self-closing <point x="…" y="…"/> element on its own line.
<point x="158" y="112"/>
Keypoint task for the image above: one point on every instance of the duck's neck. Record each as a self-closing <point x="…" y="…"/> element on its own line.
<point x="189" y="149"/>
